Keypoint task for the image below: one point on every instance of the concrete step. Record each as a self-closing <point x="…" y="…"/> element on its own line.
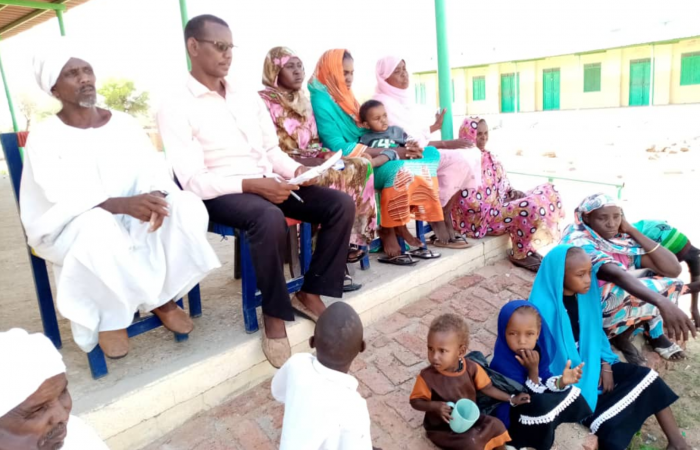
<point x="132" y="410"/>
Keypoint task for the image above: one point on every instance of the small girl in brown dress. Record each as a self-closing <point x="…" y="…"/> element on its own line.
<point x="451" y="377"/>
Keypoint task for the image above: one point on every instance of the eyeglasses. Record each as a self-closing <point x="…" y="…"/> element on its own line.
<point x="220" y="46"/>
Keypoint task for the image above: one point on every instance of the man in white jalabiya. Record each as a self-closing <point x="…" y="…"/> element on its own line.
<point x="35" y="404"/>
<point x="98" y="203"/>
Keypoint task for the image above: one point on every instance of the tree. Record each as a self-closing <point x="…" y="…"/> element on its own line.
<point x="27" y="106"/>
<point x="121" y="95"/>
<point x="32" y="111"/>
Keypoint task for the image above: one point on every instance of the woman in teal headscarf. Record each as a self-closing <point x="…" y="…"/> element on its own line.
<point x="632" y="302"/>
<point x="621" y="395"/>
<point x="406" y="187"/>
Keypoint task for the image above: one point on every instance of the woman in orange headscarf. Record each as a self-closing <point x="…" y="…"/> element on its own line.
<point x="290" y="109"/>
<point x="407" y="186"/>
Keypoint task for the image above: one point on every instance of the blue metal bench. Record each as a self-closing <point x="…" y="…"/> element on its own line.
<point x="243" y="267"/>
<point x="96" y="358"/>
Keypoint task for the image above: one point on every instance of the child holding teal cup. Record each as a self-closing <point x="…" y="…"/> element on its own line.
<point x="445" y="389"/>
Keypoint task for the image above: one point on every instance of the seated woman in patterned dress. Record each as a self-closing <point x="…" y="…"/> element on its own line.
<point x="494" y="208"/>
<point x="632" y="302"/>
<point x="283" y="77"/>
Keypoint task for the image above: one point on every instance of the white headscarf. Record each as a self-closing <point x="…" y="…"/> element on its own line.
<point x="27" y="361"/>
<point x="50" y="62"/>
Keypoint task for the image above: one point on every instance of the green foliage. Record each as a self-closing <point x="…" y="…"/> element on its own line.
<point x="121" y="95"/>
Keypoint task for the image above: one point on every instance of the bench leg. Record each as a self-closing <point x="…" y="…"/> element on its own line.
<point x="420" y="231"/>
<point x="364" y="262"/>
<point x="98" y="364"/>
<point x="248" y="286"/>
<point x="47" y="309"/>
<point x="293" y="252"/>
<point x="194" y="299"/>
<point x="306" y="250"/>
<point x="181" y="337"/>
<point x="237" y="258"/>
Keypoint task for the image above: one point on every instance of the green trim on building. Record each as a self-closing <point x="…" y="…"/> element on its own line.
<point x="478" y="88"/>
<point x="602" y="50"/>
<point x="690" y="69"/>
<point x="591" y="77"/>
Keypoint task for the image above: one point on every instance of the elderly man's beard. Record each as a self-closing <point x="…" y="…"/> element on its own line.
<point x="58" y="430"/>
<point x="87" y="97"/>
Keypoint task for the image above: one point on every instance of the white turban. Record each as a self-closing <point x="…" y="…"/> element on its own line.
<point x="50" y="62"/>
<point x="27" y="361"/>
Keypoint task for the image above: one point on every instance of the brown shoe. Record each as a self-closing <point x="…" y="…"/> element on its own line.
<point x="174" y="318"/>
<point x="302" y="309"/>
<point x="114" y="344"/>
<point x="277" y="351"/>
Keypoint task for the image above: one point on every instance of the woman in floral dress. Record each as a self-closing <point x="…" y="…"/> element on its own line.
<point x="530" y="218"/>
<point x="290" y="109"/>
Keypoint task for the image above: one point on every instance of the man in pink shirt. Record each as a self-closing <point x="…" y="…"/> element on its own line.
<point x="223" y="147"/>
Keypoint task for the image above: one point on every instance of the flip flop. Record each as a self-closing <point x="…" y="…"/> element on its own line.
<point x="358" y="257"/>
<point x="349" y="285"/>
<point x="398" y="260"/>
<point x="424" y="253"/>
<point x="668" y="352"/>
<point x="453" y="243"/>
<point x="532" y="266"/>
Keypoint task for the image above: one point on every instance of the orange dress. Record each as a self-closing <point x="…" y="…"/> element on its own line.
<point x="434" y="385"/>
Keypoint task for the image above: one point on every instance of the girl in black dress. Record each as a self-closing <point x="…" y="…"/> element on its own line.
<point x="522" y="353"/>
<point x="622" y="396"/>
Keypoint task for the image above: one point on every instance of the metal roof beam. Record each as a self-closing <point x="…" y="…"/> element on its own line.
<point x="22" y="20"/>
<point x="58" y="6"/>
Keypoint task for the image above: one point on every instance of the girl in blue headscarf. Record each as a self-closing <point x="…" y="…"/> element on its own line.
<point x="522" y="353"/>
<point x="622" y="396"/>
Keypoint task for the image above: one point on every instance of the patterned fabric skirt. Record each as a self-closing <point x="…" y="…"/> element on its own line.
<point x="639" y="393"/>
<point x="532" y="222"/>
<point x="356" y="180"/>
<point x="408" y="187"/>
<point x="622" y="311"/>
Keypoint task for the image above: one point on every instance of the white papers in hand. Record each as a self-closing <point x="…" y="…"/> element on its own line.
<point x="316" y="171"/>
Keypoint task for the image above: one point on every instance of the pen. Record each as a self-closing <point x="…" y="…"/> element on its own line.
<point x="294" y="194"/>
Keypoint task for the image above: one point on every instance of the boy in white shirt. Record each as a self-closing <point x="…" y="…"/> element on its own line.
<point x="323" y="409"/>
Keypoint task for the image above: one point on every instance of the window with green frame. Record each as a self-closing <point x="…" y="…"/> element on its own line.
<point x="478" y="88"/>
<point x="420" y="93"/>
<point x="690" y="69"/>
<point x="591" y="77"/>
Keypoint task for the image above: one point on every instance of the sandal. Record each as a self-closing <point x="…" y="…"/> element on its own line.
<point x="531" y="262"/>
<point x="668" y="352"/>
<point x="454" y="243"/>
<point x="398" y="260"/>
<point x="349" y="286"/>
<point x="424" y="253"/>
<point x="359" y="254"/>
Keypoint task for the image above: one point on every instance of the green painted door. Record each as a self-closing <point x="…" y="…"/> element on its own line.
<point x="640" y="82"/>
<point x="550" y="89"/>
<point x="510" y="101"/>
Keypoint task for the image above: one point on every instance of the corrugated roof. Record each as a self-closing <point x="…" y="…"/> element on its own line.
<point x="16" y="19"/>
